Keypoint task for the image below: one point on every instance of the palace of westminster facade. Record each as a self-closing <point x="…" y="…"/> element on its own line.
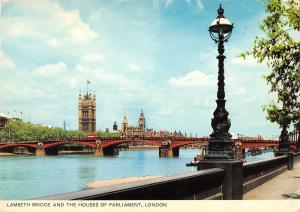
<point x="87" y="120"/>
<point x="87" y="112"/>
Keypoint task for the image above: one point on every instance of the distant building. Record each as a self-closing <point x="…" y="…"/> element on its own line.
<point x="259" y="137"/>
<point x="115" y="127"/>
<point x="65" y="125"/>
<point x="87" y="112"/>
<point x="127" y="129"/>
<point x="3" y="120"/>
<point x="140" y="129"/>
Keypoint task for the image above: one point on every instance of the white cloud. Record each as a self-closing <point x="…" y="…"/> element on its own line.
<point x="134" y="67"/>
<point x="6" y="62"/>
<point x="193" y="79"/>
<point x="168" y="3"/>
<point x="54" y="25"/>
<point x="249" y="61"/>
<point x="50" y="70"/>
<point x="138" y="23"/>
<point x="239" y="91"/>
<point x="92" y="57"/>
<point x="53" y="42"/>
<point x="200" y="5"/>
<point x="106" y="78"/>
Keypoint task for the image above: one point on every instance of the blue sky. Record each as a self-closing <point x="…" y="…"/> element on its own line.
<point x="150" y="54"/>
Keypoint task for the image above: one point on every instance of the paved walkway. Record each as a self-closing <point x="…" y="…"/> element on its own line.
<point x="285" y="183"/>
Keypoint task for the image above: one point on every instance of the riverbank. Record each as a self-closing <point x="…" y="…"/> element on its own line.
<point x="130" y="148"/>
<point x="7" y="154"/>
<point x="74" y="152"/>
<point x="142" y="147"/>
<point x="103" y="183"/>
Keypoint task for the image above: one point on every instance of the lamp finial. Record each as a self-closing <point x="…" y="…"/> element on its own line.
<point x="220" y="12"/>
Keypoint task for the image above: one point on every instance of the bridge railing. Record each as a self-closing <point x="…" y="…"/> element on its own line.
<point x="294" y="137"/>
<point x="205" y="184"/>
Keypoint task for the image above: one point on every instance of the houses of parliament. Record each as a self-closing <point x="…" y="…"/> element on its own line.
<point x="87" y="112"/>
<point x="127" y="129"/>
<point x="87" y="117"/>
<point x="87" y="120"/>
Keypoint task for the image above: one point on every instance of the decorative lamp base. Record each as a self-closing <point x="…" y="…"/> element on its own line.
<point x="220" y="149"/>
<point x="283" y="150"/>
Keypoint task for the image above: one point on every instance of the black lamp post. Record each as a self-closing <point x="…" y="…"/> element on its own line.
<point x="284" y="145"/>
<point x="297" y="125"/>
<point x="284" y="141"/>
<point x="220" y="145"/>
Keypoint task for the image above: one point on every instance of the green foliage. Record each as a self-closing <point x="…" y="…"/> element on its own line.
<point x="22" y="131"/>
<point x="106" y="134"/>
<point x="281" y="52"/>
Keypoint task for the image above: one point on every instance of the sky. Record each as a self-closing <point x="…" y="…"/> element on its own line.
<point x="150" y="54"/>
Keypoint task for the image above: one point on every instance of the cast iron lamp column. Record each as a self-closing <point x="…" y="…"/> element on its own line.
<point x="220" y="145"/>
<point x="284" y="143"/>
<point x="298" y="134"/>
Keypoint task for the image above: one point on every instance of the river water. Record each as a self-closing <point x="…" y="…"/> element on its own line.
<point x="26" y="177"/>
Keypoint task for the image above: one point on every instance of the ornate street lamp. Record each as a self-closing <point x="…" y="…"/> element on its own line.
<point x="284" y="144"/>
<point x="220" y="145"/>
<point x="297" y="125"/>
<point x="284" y="140"/>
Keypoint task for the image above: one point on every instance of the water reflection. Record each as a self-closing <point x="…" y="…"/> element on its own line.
<point x="87" y="172"/>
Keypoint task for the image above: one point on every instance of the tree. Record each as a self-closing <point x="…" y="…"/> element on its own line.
<point x="29" y="132"/>
<point x="281" y="51"/>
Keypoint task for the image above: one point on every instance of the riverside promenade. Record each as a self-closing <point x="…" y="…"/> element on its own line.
<point x="279" y="187"/>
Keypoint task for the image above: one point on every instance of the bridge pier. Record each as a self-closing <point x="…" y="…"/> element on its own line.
<point x="98" y="149"/>
<point x="40" y="151"/>
<point x="175" y="152"/>
<point x="110" y="151"/>
<point x="165" y="150"/>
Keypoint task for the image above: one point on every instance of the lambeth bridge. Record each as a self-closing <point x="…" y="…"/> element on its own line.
<point x="167" y="146"/>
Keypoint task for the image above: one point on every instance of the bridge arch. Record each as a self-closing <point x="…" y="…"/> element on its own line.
<point x="6" y="146"/>
<point x="186" y="143"/>
<point x="15" y="148"/>
<point x="115" y="143"/>
<point x="61" y="143"/>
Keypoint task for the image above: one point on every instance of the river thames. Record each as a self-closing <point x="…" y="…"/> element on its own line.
<point x="26" y="177"/>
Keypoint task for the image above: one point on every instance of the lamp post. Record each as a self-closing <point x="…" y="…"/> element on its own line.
<point x="220" y="152"/>
<point x="297" y="125"/>
<point x="284" y="145"/>
<point x="298" y="141"/>
<point x="220" y="145"/>
<point x="284" y="140"/>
